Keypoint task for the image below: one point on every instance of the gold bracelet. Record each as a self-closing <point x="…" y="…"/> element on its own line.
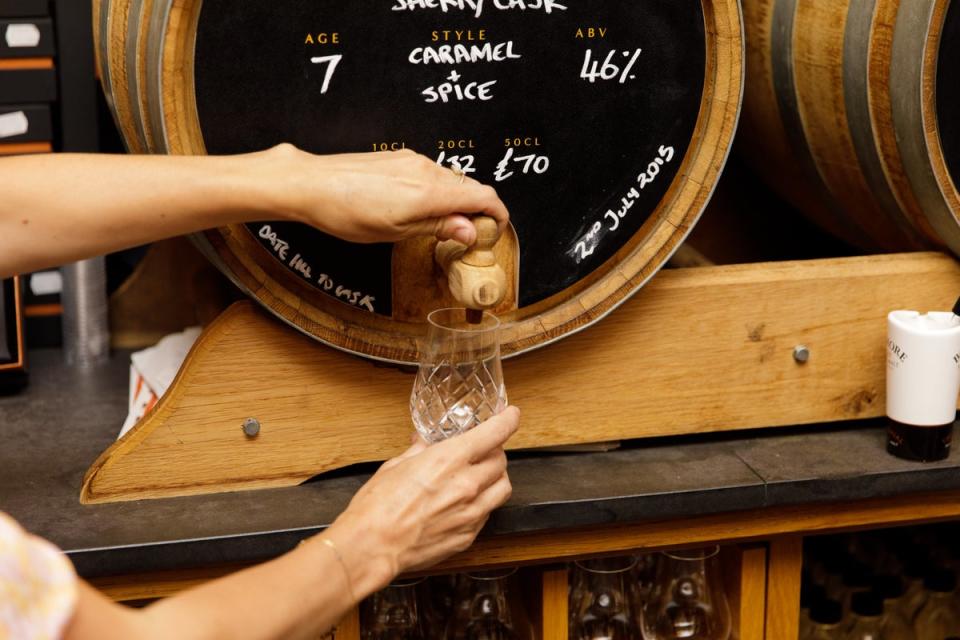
<point x="343" y="565"/>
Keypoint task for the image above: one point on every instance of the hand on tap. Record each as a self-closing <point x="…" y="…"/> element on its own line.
<point x="381" y="197"/>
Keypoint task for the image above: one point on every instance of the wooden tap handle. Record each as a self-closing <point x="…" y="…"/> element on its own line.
<point x="481" y="253"/>
<point x="475" y="279"/>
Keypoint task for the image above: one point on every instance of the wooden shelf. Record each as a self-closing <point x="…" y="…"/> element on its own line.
<point x="744" y="569"/>
<point x="762" y="555"/>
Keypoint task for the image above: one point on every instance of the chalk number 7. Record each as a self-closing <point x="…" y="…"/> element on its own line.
<point x="331" y="62"/>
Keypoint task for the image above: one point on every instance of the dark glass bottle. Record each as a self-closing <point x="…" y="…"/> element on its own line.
<point x="826" y="621"/>
<point x="939" y="616"/>
<point x="915" y="595"/>
<point x="920" y="443"/>
<point x="871" y="621"/>
<point x="811" y="595"/>
<point x="892" y="590"/>
<point x="856" y="578"/>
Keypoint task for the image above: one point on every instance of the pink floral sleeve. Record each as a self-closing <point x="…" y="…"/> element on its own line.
<point x="38" y="587"/>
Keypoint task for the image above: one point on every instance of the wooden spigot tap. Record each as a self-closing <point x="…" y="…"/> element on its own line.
<point x="475" y="279"/>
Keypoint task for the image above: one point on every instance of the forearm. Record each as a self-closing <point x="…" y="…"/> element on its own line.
<point x="60" y="208"/>
<point x="63" y="207"/>
<point x="299" y="595"/>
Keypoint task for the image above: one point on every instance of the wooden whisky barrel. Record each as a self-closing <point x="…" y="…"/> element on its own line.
<point x="603" y="126"/>
<point x="851" y="113"/>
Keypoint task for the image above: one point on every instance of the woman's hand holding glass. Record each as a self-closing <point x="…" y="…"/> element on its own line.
<point x="426" y="504"/>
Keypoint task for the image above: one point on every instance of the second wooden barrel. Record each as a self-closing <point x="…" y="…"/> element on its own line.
<point x="604" y="127"/>
<point x="852" y="112"/>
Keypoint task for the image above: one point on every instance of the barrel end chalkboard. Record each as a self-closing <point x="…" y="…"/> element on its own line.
<point x="605" y="130"/>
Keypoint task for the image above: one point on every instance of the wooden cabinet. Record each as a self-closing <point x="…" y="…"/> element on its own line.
<point x="762" y="553"/>
<point x="546" y="588"/>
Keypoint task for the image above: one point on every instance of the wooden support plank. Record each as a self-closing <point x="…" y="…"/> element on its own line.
<point x="555" y="613"/>
<point x="750" y="601"/>
<point x="783" y="587"/>
<point x="745" y="582"/>
<point x="709" y="349"/>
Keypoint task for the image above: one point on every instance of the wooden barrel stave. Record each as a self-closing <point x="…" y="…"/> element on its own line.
<point x="96" y="11"/>
<point x="867" y="44"/>
<point x="132" y="70"/>
<point x="168" y="112"/>
<point x="861" y="75"/>
<point x="156" y="29"/>
<point x="917" y="35"/>
<point x="822" y="113"/>
<point x="869" y="183"/>
<point x="116" y="51"/>
<point x="137" y="61"/>
<point x="102" y="33"/>
<point x="771" y="125"/>
<point x="881" y="116"/>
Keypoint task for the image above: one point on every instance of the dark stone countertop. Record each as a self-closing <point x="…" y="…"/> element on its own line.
<point x="53" y="431"/>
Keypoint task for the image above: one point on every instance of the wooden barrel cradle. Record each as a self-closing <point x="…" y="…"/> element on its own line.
<point x="851" y="113"/>
<point x="604" y="127"/>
